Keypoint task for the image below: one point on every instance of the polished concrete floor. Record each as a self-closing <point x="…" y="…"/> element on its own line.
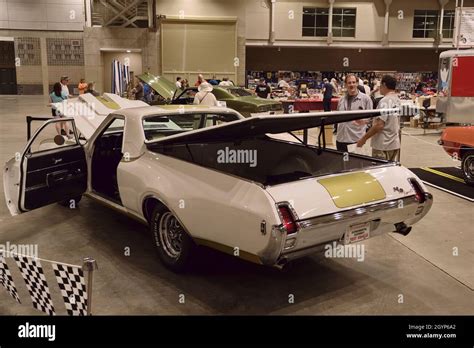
<point x="416" y="274"/>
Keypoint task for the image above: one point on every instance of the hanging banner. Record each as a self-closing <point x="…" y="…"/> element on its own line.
<point x="7" y="281"/>
<point x="73" y="288"/>
<point x="32" y="272"/>
<point x="464" y="27"/>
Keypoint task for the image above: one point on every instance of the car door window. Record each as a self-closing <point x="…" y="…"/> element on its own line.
<point x="49" y="137"/>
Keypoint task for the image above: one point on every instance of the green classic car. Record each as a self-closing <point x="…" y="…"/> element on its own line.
<point x="236" y="98"/>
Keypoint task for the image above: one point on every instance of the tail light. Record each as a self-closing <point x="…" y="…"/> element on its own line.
<point x="287" y="219"/>
<point x="419" y="193"/>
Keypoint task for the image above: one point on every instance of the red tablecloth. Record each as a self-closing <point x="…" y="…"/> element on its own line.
<point x="305" y="105"/>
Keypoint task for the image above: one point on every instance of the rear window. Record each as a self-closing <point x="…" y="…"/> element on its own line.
<point x="239" y="92"/>
<point x="159" y="126"/>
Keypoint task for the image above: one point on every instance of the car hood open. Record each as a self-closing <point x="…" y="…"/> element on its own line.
<point x="260" y="125"/>
<point x="159" y="84"/>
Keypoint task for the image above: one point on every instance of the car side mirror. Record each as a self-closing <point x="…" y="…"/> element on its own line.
<point x="59" y="140"/>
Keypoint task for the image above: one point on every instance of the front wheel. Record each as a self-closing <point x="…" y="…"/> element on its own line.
<point x="173" y="244"/>
<point x="467" y="166"/>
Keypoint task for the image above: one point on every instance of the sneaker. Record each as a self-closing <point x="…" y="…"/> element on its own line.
<point x="63" y="132"/>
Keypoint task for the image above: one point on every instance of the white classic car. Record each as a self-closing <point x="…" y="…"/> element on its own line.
<point x="208" y="176"/>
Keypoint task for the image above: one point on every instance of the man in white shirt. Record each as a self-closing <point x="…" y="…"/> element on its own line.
<point x="385" y="130"/>
<point x="178" y="83"/>
<point x="64" y="87"/>
<point x="366" y="87"/>
<point x="204" y="95"/>
<point x="283" y="84"/>
<point x="225" y="82"/>
<point x="351" y="132"/>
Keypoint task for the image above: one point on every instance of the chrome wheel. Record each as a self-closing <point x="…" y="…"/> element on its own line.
<point x="171" y="235"/>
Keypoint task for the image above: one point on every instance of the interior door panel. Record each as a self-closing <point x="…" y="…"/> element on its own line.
<point x="54" y="175"/>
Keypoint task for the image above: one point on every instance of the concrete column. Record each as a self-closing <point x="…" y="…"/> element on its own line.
<point x="44" y="66"/>
<point x="331" y="6"/>
<point x="88" y="10"/>
<point x="272" y="21"/>
<point x="442" y="4"/>
<point x="387" y="17"/>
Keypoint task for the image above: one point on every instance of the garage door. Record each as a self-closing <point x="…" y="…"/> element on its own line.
<point x="192" y="47"/>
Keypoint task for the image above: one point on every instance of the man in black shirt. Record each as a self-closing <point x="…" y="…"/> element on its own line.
<point x="262" y="89"/>
<point x="327" y="90"/>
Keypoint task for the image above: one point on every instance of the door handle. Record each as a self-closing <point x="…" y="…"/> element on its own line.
<point x="56" y="177"/>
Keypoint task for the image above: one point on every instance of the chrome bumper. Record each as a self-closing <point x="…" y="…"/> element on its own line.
<point x="316" y="232"/>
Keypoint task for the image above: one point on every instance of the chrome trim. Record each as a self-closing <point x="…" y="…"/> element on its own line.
<point x="272" y="251"/>
<point x="361" y="211"/>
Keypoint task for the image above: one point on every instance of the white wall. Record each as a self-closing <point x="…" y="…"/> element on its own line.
<point x="42" y="14"/>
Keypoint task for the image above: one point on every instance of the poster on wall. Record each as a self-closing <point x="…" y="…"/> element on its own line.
<point x="465" y="23"/>
<point x="444" y="76"/>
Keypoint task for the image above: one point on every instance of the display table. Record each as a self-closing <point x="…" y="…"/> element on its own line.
<point x="312" y="104"/>
<point x="307" y="105"/>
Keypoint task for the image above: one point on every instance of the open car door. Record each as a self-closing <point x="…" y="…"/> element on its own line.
<point x="52" y="168"/>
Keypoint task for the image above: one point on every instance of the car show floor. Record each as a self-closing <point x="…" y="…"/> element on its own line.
<point x="427" y="272"/>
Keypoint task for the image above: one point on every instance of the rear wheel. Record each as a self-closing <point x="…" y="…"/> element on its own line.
<point x="467" y="166"/>
<point x="173" y="244"/>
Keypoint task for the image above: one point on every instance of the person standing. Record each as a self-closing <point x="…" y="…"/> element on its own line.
<point x="385" y="130"/>
<point x="366" y="87"/>
<point x="64" y="85"/>
<point x="82" y="86"/>
<point x="58" y="95"/>
<point x="138" y="90"/>
<point x="225" y="82"/>
<point x="199" y="80"/>
<point x="204" y="95"/>
<point x="327" y="94"/>
<point x="263" y="89"/>
<point x="283" y="84"/>
<point x="91" y="89"/>
<point x="178" y="83"/>
<point x="349" y="133"/>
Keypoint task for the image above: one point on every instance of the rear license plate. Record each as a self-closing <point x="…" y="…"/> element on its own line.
<point x="356" y="233"/>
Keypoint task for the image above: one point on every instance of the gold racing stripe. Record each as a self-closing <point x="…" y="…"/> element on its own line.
<point x="437" y="172"/>
<point x="353" y="189"/>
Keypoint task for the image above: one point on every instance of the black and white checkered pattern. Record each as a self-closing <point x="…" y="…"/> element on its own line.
<point x="73" y="288"/>
<point x="36" y="284"/>
<point x="6" y="279"/>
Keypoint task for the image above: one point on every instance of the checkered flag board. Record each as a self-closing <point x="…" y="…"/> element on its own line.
<point x="6" y="279"/>
<point x="36" y="284"/>
<point x="73" y="288"/>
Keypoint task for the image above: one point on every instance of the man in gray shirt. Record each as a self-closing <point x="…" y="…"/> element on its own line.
<point x="385" y="130"/>
<point x="350" y="132"/>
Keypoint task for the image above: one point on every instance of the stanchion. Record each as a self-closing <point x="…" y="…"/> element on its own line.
<point x="89" y="265"/>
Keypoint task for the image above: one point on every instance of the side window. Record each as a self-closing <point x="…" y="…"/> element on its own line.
<point x="112" y="137"/>
<point x="54" y="135"/>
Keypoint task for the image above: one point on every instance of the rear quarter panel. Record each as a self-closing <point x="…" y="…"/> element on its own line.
<point x="211" y="205"/>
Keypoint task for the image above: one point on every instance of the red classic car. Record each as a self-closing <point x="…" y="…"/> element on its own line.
<point x="459" y="143"/>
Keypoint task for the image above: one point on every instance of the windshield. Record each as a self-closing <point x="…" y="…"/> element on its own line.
<point x="159" y="126"/>
<point x="239" y="92"/>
